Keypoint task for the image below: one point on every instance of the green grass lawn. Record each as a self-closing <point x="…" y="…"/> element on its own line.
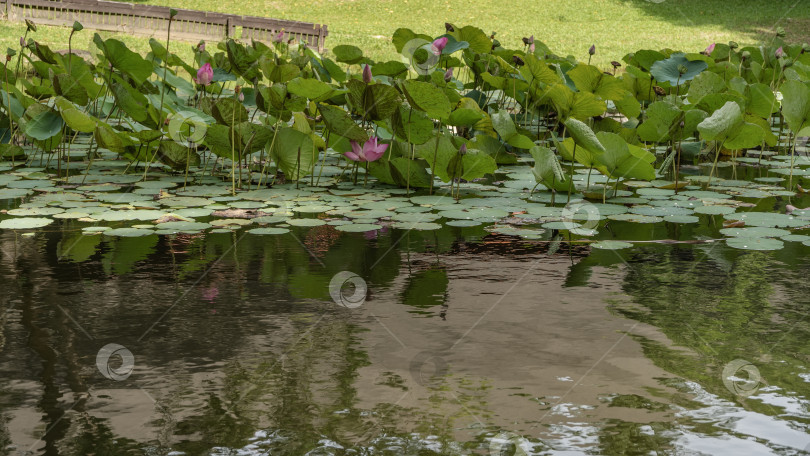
<point x="568" y="27"/>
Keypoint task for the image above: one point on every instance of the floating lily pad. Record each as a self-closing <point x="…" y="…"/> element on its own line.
<point x="756" y="231"/>
<point x="714" y="210"/>
<point x="418" y="226"/>
<point x="306" y="222"/>
<point x="681" y="219"/>
<point x="795" y="238"/>
<point x="183" y="226"/>
<point x="184" y="201"/>
<point x="611" y="245"/>
<point x="358" y="227"/>
<point x="636" y="218"/>
<point x="31" y="211"/>
<point x="463" y="223"/>
<point x="128" y="232"/>
<point x="25" y="223"/>
<point x="753" y="243"/>
<point x="268" y="231"/>
<point x="767" y="219"/>
<point x="230" y="222"/>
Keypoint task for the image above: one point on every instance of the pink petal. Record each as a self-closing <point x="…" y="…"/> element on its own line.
<point x="356" y="149"/>
<point x="352" y="156"/>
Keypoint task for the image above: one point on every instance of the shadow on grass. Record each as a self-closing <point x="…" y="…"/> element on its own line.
<point x="756" y="18"/>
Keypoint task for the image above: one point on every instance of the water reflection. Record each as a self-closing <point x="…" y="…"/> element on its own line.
<point x="466" y="342"/>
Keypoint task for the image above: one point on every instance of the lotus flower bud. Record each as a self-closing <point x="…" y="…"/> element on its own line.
<point x="241" y="97"/>
<point x="531" y="48"/>
<point x="518" y="61"/>
<point x="779" y="53"/>
<point x="22" y="42"/>
<point x="438" y="45"/>
<point x="201" y="46"/>
<point x="462" y="150"/>
<point x="367" y="74"/>
<point x="449" y="27"/>
<point x="592" y="50"/>
<point x="709" y="49"/>
<point x="205" y="74"/>
<point x="448" y="75"/>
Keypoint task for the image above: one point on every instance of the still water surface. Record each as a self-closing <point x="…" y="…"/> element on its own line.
<point x="466" y="343"/>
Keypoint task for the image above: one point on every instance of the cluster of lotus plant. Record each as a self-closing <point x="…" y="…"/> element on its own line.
<point x="453" y="109"/>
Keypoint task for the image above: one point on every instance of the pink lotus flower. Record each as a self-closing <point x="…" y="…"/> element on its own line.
<point x="438" y="45"/>
<point x="368" y="153"/>
<point x="779" y="53"/>
<point x="531" y="48"/>
<point x="205" y="75"/>
<point x="709" y="49"/>
<point x="367" y="74"/>
<point x="211" y="293"/>
<point x="201" y="46"/>
<point x="280" y="37"/>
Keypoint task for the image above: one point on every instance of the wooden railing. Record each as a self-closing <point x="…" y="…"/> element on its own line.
<point x="148" y="20"/>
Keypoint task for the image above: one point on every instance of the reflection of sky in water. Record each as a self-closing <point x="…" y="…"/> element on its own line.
<point x="747" y="433"/>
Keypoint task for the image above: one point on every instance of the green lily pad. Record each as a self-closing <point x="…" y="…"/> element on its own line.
<point x="756" y="231"/>
<point x="306" y="222"/>
<point x="714" y="210"/>
<point x="358" y="227"/>
<point x="463" y="223"/>
<point x="767" y="219"/>
<point x="681" y="219"/>
<point x="27" y="223"/>
<point x="418" y="226"/>
<point x="796" y="238"/>
<point x="268" y="231"/>
<point x="611" y="245"/>
<point x="183" y="226"/>
<point x="128" y="232"/>
<point x="753" y="243"/>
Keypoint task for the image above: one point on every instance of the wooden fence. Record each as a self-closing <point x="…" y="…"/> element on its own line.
<point x="148" y="20"/>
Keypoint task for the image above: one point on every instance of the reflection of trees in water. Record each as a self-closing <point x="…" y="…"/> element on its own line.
<point x="722" y="304"/>
<point x="301" y="379"/>
<point x="116" y="287"/>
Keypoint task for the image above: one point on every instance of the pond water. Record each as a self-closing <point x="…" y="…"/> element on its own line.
<point x="466" y="341"/>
